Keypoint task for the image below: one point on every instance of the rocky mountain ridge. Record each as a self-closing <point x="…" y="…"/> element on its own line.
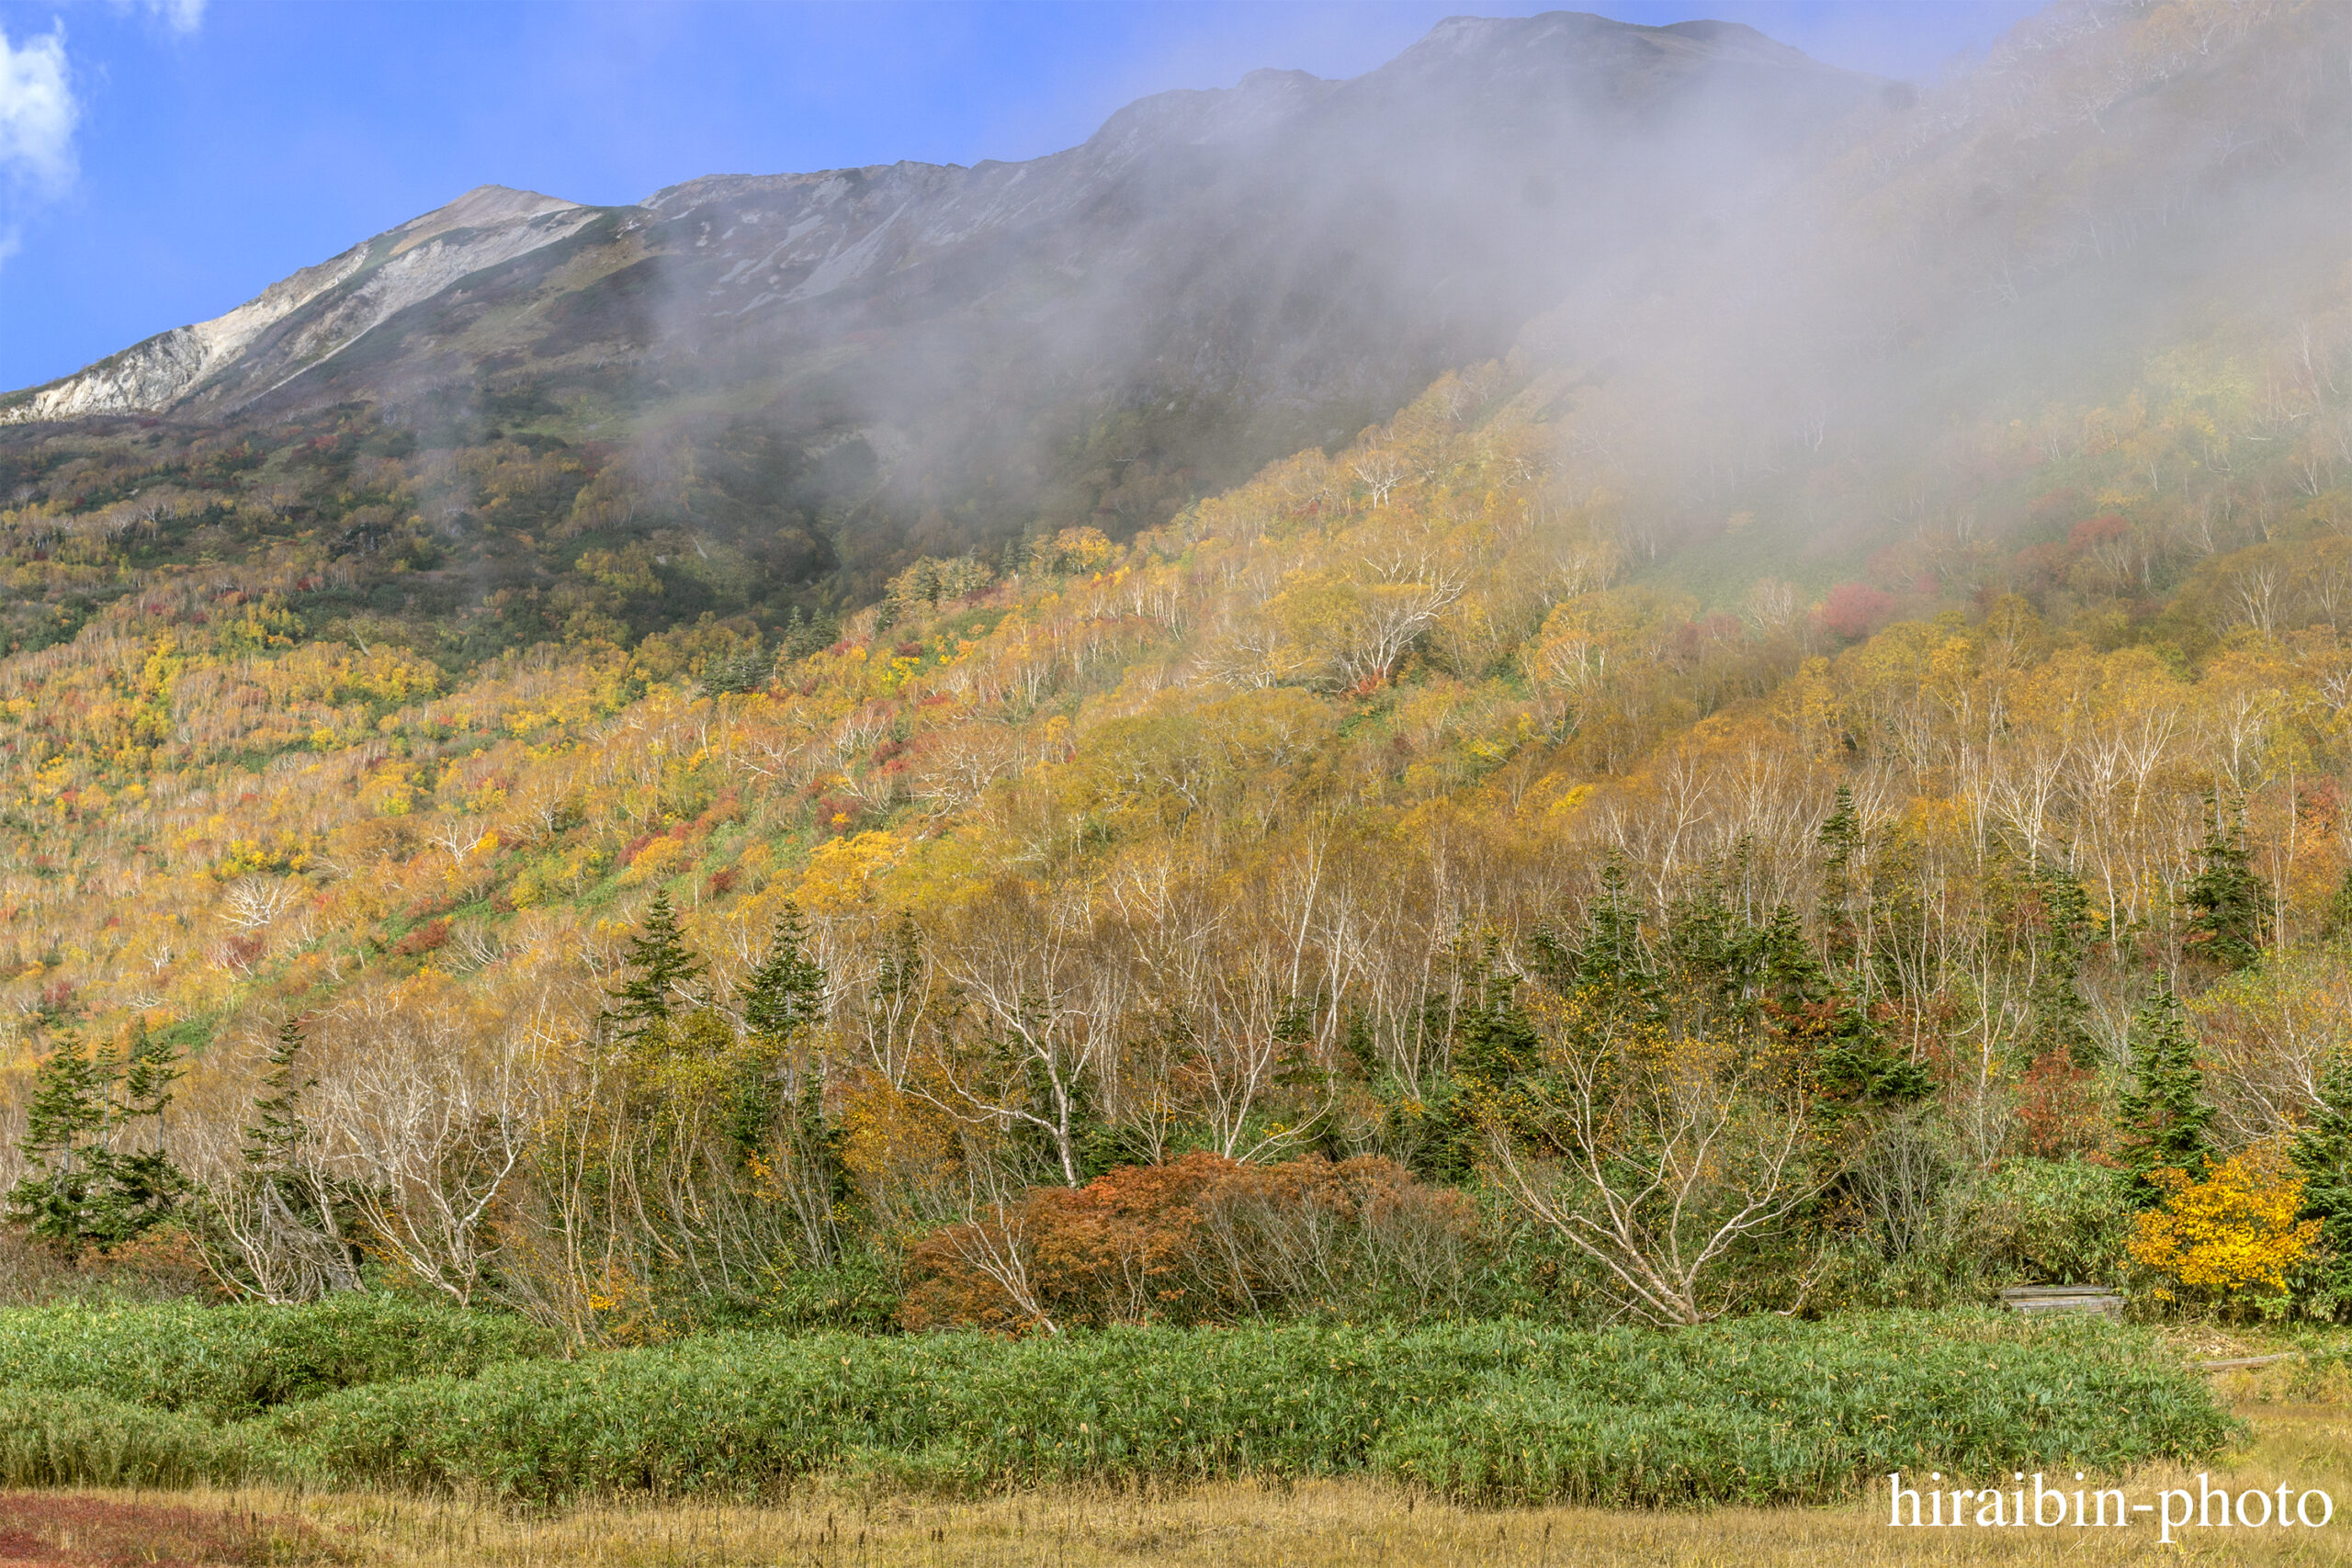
<point x="388" y="272"/>
<point x="1211" y="278"/>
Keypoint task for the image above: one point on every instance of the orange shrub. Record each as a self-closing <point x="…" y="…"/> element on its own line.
<point x="1204" y="1240"/>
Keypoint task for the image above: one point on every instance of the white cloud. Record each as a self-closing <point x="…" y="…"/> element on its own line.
<point x="180" y="16"/>
<point x="38" y="113"/>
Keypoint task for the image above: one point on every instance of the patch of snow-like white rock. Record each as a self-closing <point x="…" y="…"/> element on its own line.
<point x="483" y="228"/>
<point x="416" y="275"/>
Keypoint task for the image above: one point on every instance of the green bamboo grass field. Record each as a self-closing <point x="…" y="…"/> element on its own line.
<point x="373" y="1393"/>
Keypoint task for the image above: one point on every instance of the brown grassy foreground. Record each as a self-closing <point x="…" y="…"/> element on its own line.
<point x="1349" y="1523"/>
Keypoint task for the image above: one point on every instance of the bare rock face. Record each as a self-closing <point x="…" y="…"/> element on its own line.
<point x="353" y="292"/>
<point x="1212" y="278"/>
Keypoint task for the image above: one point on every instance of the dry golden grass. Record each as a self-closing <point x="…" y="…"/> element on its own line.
<point x="1344" y="1524"/>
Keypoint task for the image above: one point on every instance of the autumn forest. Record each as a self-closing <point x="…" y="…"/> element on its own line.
<point x="1610" y="842"/>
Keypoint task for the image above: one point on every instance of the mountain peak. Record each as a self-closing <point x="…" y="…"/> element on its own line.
<point x="480" y="207"/>
<point x="1290" y="250"/>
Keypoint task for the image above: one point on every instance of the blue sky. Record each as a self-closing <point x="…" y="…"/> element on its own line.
<point x="162" y="161"/>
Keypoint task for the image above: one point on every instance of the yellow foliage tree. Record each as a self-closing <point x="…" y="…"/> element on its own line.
<point x="2233" y="1236"/>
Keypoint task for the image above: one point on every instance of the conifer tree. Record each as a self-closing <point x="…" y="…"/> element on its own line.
<point x="1494" y="1042"/>
<point x="1855" y="1063"/>
<point x="1842" y="839"/>
<point x="1847" y="1056"/>
<point x="2323" y="1151"/>
<point x="895" y="998"/>
<point x="745" y="670"/>
<point x="665" y="969"/>
<point x="90" y="1184"/>
<point x="781" y="1001"/>
<point x="804" y="635"/>
<point x="2335" y="920"/>
<point x="2231" y="908"/>
<point x="277" y="1131"/>
<point x="2058" y="1017"/>
<point x="297" y="1224"/>
<point x="2164" y="1118"/>
<point x="784" y="995"/>
<point x="144" y="1184"/>
<point x="1710" y="949"/>
<point x="1610" y="956"/>
<point x="60" y="1200"/>
<point x="150" y="1067"/>
<point x="1785" y="976"/>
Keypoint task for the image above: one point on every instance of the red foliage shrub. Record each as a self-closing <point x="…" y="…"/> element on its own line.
<point x="728" y="808"/>
<point x="1204" y="1239"/>
<point x="2059" y="1109"/>
<point x="2038" y="569"/>
<point x="2097" y="530"/>
<point x="630" y="850"/>
<point x="1854" y="610"/>
<point x="424" y="940"/>
<point x="2050" y="505"/>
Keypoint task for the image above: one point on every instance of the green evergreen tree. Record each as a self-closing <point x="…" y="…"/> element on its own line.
<point x="1783" y="976"/>
<point x="1855" y="1064"/>
<point x="90" y="1184"/>
<point x="2058" y="1018"/>
<point x="1841" y="840"/>
<point x="745" y="670"/>
<point x="2165" y="1123"/>
<point x="665" y="970"/>
<point x="149" y="1069"/>
<point x="1610" y="943"/>
<point x="1610" y="958"/>
<point x="60" y="1200"/>
<point x="277" y="1130"/>
<point x="144" y="1185"/>
<point x="781" y="1001"/>
<point x="2230" y="908"/>
<point x="805" y="634"/>
<point x="1494" y="1043"/>
<point x="784" y="995"/>
<point x="896" y="999"/>
<point x="308" y="1210"/>
<point x="1709" y="949"/>
<point x="2323" y="1151"/>
<point x="1842" y="1052"/>
<point x="2335" y="920"/>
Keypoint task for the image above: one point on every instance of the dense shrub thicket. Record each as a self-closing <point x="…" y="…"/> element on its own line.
<point x="230" y="1363"/>
<point x="81" y="1437"/>
<point x="1760" y="1410"/>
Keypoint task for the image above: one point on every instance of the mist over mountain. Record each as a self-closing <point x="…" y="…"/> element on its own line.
<point x="1757" y="293"/>
<point x="2121" y="206"/>
<point x="944" y="355"/>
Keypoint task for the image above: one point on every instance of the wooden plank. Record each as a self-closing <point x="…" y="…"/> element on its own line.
<point x="2044" y="1301"/>
<point x="2109" y="1304"/>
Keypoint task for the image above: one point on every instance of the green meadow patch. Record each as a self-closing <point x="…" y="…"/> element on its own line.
<point x="231" y="1363"/>
<point x="1760" y="1410"/>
